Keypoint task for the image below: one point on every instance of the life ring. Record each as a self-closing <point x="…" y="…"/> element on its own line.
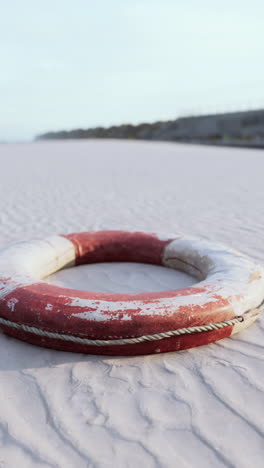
<point x="227" y="298"/>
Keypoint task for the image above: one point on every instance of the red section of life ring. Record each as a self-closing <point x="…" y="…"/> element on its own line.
<point x="226" y="298"/>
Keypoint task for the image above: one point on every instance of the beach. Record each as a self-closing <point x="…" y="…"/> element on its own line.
<point x="195" y="408"/>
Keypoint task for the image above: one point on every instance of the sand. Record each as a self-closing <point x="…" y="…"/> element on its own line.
<point x="196" y="408"/>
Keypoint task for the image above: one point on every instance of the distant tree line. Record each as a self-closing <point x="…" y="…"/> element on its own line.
<point x="236" y="128"/>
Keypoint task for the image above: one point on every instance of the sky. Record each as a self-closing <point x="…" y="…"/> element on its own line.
<point x="68" y="64"/>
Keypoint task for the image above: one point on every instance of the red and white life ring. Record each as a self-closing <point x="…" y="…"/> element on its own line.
<point x="227" y="298"/>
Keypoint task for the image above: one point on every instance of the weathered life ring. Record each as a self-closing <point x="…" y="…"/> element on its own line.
<point x="227" y="298"/>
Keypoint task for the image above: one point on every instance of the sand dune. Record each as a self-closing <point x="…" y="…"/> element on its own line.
<point x="196" y="408"/>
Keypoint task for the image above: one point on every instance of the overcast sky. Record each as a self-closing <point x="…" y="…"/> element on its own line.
<point x="80" y="63"/>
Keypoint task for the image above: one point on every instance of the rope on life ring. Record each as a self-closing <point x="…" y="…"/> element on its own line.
<point x="121" y="341"/>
